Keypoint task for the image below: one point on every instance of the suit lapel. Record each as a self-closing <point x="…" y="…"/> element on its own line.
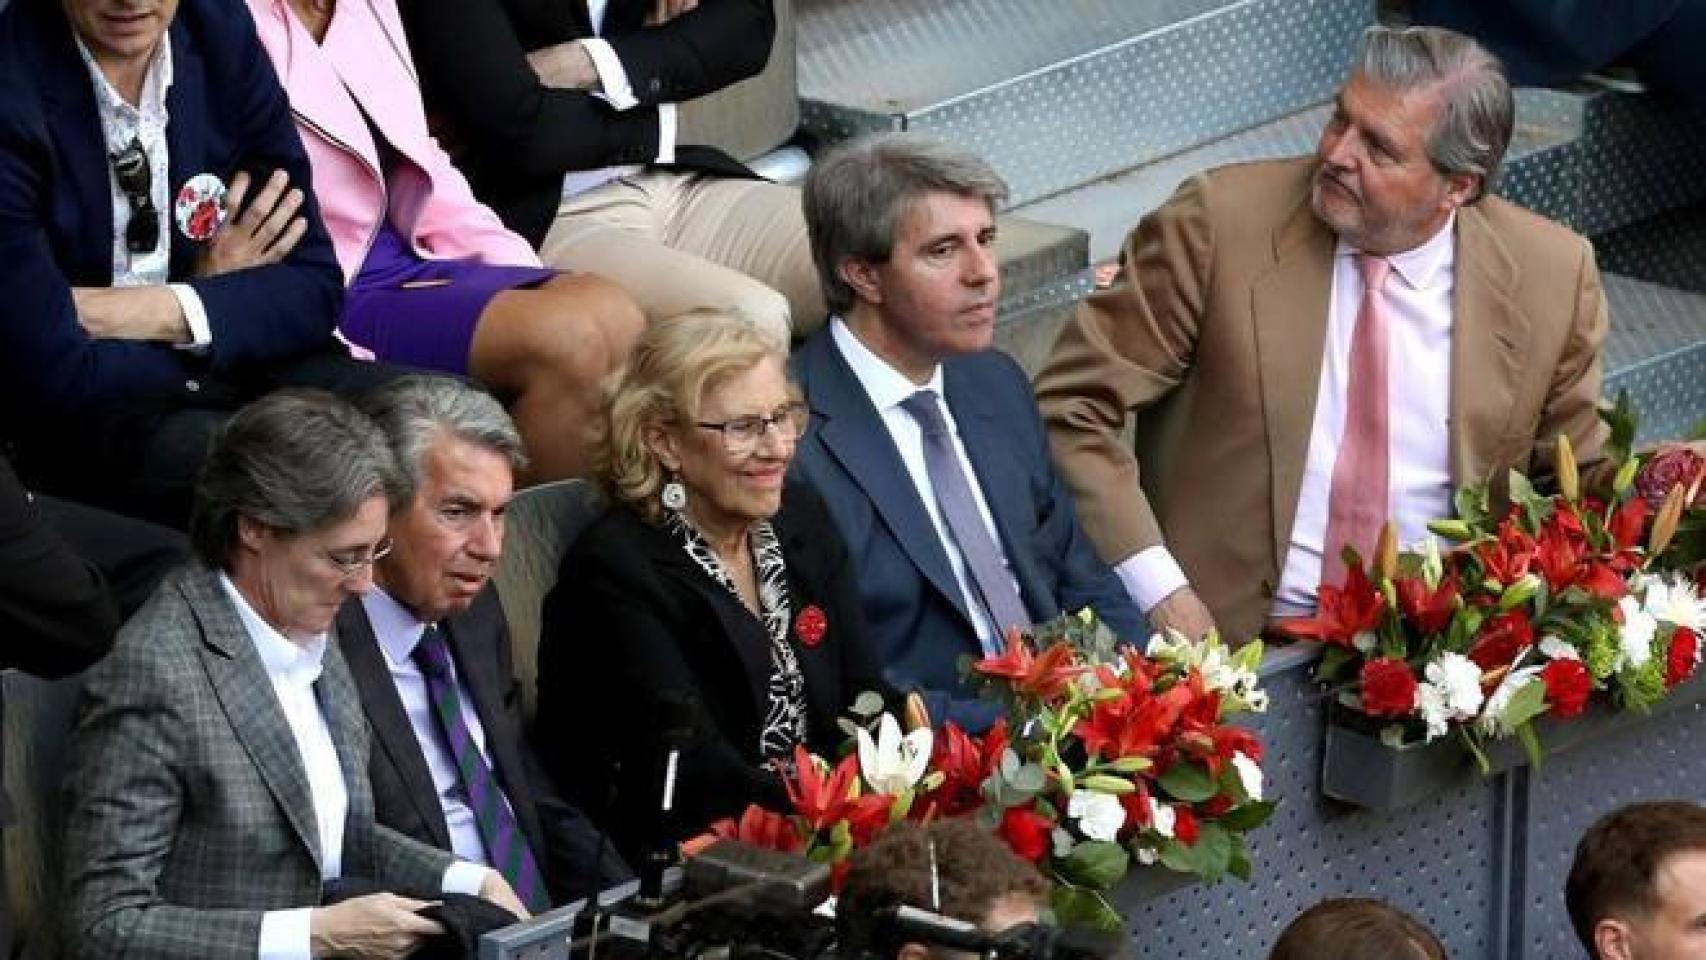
<point x="1005" y="488"/>
<point x="853" y="433"/>
<point x="74" y="121"/>
<point x="1289" y="303"/>
<point x="335" y="691"/>
<point x="1488" y="338"/>
<point x="246" y="695"/>
<point x="186" y="145"/>
<point x="808" y="584"/>
<point x="394" y="734"/>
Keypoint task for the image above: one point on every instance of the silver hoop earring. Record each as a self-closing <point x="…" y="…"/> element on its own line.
<point x="673" y="496"/>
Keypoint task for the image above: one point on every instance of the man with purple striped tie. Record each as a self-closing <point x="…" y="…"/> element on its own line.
<point x="430" y="652"/>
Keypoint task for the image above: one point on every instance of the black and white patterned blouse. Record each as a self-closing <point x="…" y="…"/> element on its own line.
<point x="785" y="717"/>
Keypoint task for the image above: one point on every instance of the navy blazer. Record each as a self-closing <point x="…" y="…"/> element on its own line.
<point x="228" y="113"/>
<point x="911" y="600"/>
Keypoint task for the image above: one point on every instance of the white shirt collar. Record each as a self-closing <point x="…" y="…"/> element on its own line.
<point x="1423" y="265"/>
<point x="397" y="628"/>
<point x="155" y="82"/>
<point x="885" y="385"/>
<point x="287" y="662"/>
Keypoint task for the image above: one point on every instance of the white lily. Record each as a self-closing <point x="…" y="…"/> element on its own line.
<point x="892" y="763"/>
<point x="1249" y="774"/>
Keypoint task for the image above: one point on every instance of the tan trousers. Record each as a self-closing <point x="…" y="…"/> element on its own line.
<point x="678" y="241"/>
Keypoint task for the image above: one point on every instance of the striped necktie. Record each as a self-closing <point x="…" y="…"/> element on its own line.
<point x="506" y="848"/>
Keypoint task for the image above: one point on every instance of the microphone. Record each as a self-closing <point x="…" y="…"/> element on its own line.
<point x="675" y="718"/>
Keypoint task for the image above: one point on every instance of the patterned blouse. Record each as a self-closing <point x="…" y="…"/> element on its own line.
<point x="785" y="717"/>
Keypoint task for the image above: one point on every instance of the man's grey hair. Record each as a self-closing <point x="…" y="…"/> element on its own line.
<point x="295" y="460"/>
<point x="1477" y="110"/>
<point x="415" y="410"/>
<point x="855" y="195"/>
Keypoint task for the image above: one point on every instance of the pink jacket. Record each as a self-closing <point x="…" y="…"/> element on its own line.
<point x="365" y="60"/>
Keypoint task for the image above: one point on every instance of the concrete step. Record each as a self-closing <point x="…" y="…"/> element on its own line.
<point x="1056" y="94"/>
<point x="1035" y="260"/>
<point x="1638" y="159"/>
<point x="1539" y="171"/>
<point x="1657" y="351"/>
<point x="1669" y="249"/>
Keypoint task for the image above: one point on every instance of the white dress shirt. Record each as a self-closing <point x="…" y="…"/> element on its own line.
<point x="121" y="124"/>
<point x="888" y="388"/>
<point x="618" y="91"/>
<point x="293" y="669"/>
<point x="399" y="633"/>
<point x="1417" y="305"/>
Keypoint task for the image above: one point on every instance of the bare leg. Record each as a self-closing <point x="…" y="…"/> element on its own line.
<point x="546" y="352"/>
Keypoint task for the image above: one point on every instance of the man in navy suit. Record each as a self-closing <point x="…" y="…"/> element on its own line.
<point x="131" y="326"/>
<point x="926" y="443"/>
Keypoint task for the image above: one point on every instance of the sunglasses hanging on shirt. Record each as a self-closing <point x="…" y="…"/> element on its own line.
<point x="136" y="179"/>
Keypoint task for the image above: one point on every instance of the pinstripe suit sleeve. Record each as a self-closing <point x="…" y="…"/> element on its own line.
<point x="126" y="797"/>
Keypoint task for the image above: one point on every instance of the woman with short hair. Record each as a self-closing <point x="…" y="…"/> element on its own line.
<point x="709" y="582"/>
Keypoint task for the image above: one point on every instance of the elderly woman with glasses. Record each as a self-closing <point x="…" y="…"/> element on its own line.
<point x="220" y="782"/>
<point x="712" y="608"/>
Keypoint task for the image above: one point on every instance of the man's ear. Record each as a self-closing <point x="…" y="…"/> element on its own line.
<point x="1460" y="188"/>
<point x="861" y="275"/>
<point x="1613" y="940"/>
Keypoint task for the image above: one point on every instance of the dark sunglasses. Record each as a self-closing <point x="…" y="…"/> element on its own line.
<point x="136" y="179"/>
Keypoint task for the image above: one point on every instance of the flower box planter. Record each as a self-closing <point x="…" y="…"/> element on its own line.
<point x="1357" y="768"/>
<point x="1144" y="884"/>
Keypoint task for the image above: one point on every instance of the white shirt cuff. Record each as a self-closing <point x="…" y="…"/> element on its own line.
<point x="286" y="934"/>
<point x="464" y="877"/>
<point x="666" y="133"/>
<point x="612" y="76"/>
<point x="1150" y="576"/>
<point x="195" y="316"/>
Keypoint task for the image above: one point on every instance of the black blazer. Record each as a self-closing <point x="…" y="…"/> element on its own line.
<point x="563" y="841"/>
<point x="633" y="619"/>
<point x="514" y="137"/>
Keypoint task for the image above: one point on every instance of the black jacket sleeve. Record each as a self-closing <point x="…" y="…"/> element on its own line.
<point x="55" y="612"/>
<point x="474" y="73"/>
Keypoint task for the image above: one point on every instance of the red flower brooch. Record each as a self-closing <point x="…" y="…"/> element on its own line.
<point x="811" y="625"/>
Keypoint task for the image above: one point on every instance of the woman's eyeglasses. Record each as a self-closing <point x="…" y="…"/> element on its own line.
<point x="136" y="179"/>
<point x="741" y="434"/>
<point x="351" y="563"/>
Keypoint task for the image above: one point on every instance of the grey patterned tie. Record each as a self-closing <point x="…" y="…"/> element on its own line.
<point x="990" y="580"/>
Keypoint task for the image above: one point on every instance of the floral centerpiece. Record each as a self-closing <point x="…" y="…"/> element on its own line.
<point x="1537" y="611"/>
<point x="1106" y="757"/>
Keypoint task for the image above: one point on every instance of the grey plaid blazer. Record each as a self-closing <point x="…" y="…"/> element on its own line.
<point x="189" y="812"/>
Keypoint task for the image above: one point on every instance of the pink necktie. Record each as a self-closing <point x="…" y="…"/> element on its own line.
<point x="1356" y="504"/>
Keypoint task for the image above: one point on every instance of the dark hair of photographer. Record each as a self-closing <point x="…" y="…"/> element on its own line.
<point x="978" y="879"/>
<point x="1348" y="928"/>
<point x="1637" y="888"/>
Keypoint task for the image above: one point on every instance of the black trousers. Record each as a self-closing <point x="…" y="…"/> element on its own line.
<point x="140" y="457"/>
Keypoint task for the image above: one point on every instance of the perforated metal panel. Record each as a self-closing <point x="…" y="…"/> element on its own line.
<point x="1662" y="760"/>
<point x="1638" y="159"/>
<point x="1657" y="351"/>
<point x="1668" y="249"/>
<point x="1054" y="95"/>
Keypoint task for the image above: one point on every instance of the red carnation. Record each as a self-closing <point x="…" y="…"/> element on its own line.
<point x="811" y="625"/>
<point x="1567" y="686"/>
<point x="1500" y="640"/>
<point x="1682" y="656"/>
<point x="1184" y="825"/>
<point x="1026" y="832"/>
<point x="1388" y="688"/>
<point x="1671" y="467"/>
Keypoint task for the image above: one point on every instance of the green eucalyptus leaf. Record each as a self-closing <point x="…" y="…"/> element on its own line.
<point x="1187" y="781"/>
<point x="1097" y="864"/>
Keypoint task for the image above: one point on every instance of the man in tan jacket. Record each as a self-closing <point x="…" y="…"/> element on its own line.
<point x="1315" y="345"/>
